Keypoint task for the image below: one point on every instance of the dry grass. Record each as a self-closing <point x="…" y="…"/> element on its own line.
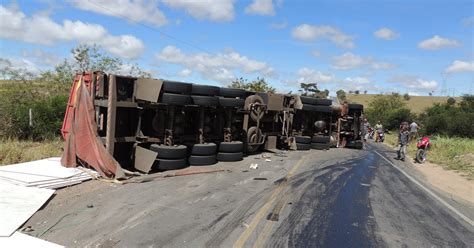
<point x="14" y="151"/>
<point x="417" y="104"/>
<point x="451" y="153"/>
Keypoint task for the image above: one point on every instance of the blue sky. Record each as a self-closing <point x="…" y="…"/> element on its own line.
<point x="378" y="46"/>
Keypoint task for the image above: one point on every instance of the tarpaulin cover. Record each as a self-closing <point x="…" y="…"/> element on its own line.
<point x="81" y="139"/>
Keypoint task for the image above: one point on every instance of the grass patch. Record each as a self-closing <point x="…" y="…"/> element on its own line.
<point x="17" y="151"/>
<point x="451" y="153"/>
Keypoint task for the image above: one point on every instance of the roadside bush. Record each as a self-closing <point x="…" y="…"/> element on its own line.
<point x="47" y="102"/>
<point x="389" y="109"/>
<point x="449" y="119"/>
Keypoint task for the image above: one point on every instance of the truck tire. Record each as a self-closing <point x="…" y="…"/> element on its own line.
<point x="175" y="99"/>
<point x="320" y="146"/>
<point x="303" y="139"/>
<point x="303" y="147"/>
<point x="202" y="160"/>
<point x="320" y="139"/>
<point x="355" y="106"/>
<point x="205" y="90"/>
<point x="315" y="101"/>
<point x="169" y="152"/>
<point x="207" y="101"/>
<point x="309" y="107"/>
<point x="176" y="87"/>
<point x="230" y="92"/>
<point x="231" y="102"/>
<point x="323" y="109"/>
<point x="233" y="146"/>
<point x="252" y="134"/>
<point x="170" y="164"/>
<point x="251" y="100"/>
<point x="230" y="156"/>
<point x="204" y="149"/>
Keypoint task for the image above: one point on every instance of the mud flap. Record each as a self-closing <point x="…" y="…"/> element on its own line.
<point x="148" y="89"/>
<point x="144" y="159"/>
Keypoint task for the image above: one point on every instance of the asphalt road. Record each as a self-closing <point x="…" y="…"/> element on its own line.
<point x="335" y="198"/>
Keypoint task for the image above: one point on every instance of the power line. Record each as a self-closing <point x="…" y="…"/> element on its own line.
<point x="150" y="27"/>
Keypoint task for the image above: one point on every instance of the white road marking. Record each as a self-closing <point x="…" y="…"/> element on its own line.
<point x="450" y="207"/>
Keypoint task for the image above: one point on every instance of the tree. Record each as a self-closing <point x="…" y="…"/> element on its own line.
<point x="451" y="101"/>
<point x="389" y="109"/>
<point x="91" y="58"/>
<point x="309" y="88"/>
<point x="365" y="92"/>
<point x="406" y="97"/>
<point x="257" y="85"/>
<point x="341" y="95"/>
<point x="357" y="92"/>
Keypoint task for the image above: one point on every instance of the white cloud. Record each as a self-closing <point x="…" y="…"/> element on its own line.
<point x="185" y="72"/>
<point x="386" y="34"/>
<point x="220" y="67"/>
<point x="382" y="66"/>
<point x="18" y="64"/>
<point x="460" y="66"/>
<point x="216" y="10"/>
<point x="468" y="21"/>
<point x="358" y="83"/>
<point x="437" y="42"/>
<point x="306" y="75"/>
<point x="316" y="53"/>
<point x="41" y="57"/>
<point x="306" y="32"/>
<point x="414" y="83"/>
<point x="261" y="7"/>
<point x="279" y="25"/>
<point x="133" y="10"/>
<point x="40" y="29"/>
<point x="348" y="61"/>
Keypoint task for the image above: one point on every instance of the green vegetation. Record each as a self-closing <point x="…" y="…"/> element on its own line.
<point x="311" y="89"/>
<point x="16" y="151"/>
<point x="416" y="104"/>
<point x="391" y="110"/>
<point x="23" y="138"/>
<point x="451" y="153"/>
<point x="257" y="85"/>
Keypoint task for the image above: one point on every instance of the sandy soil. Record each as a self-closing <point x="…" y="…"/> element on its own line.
<point x="447" y="181"/>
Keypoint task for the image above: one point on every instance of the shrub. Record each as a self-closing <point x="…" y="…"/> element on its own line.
<point x="389" y="109"/>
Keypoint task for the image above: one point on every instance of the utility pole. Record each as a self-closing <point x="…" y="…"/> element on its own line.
<point x="444" y="85"/>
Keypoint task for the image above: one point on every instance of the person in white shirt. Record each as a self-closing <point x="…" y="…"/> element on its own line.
<point x="414" y="130"/>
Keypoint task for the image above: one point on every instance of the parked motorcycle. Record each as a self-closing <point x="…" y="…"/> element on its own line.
<point x="423" y="145"/>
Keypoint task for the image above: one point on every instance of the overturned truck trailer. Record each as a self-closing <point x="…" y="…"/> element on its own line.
<point x="155" y="124"/>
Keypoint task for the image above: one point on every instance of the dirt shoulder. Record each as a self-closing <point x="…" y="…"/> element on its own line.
<point x="448" y="181"/>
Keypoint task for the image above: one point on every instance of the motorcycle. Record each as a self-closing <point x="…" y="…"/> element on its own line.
<point x="371" y="133"/>
<point x="381" y="136"/>
<point x="423" y="145"/>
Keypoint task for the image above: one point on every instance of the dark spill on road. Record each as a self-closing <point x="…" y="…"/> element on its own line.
<point x="349" y="223"/>
<point x="334" y="209"/>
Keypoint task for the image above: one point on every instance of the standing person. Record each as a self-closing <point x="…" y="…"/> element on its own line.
<point x="414" y="130"/>
<point x="403" y="138"/>
<point x="365" y="129"/>
<point x="378" y="131"/>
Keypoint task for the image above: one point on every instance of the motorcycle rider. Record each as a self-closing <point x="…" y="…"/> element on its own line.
<point x="378" y="131"/>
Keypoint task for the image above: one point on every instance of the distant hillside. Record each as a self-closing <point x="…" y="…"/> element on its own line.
<point x="417" y="104"/>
